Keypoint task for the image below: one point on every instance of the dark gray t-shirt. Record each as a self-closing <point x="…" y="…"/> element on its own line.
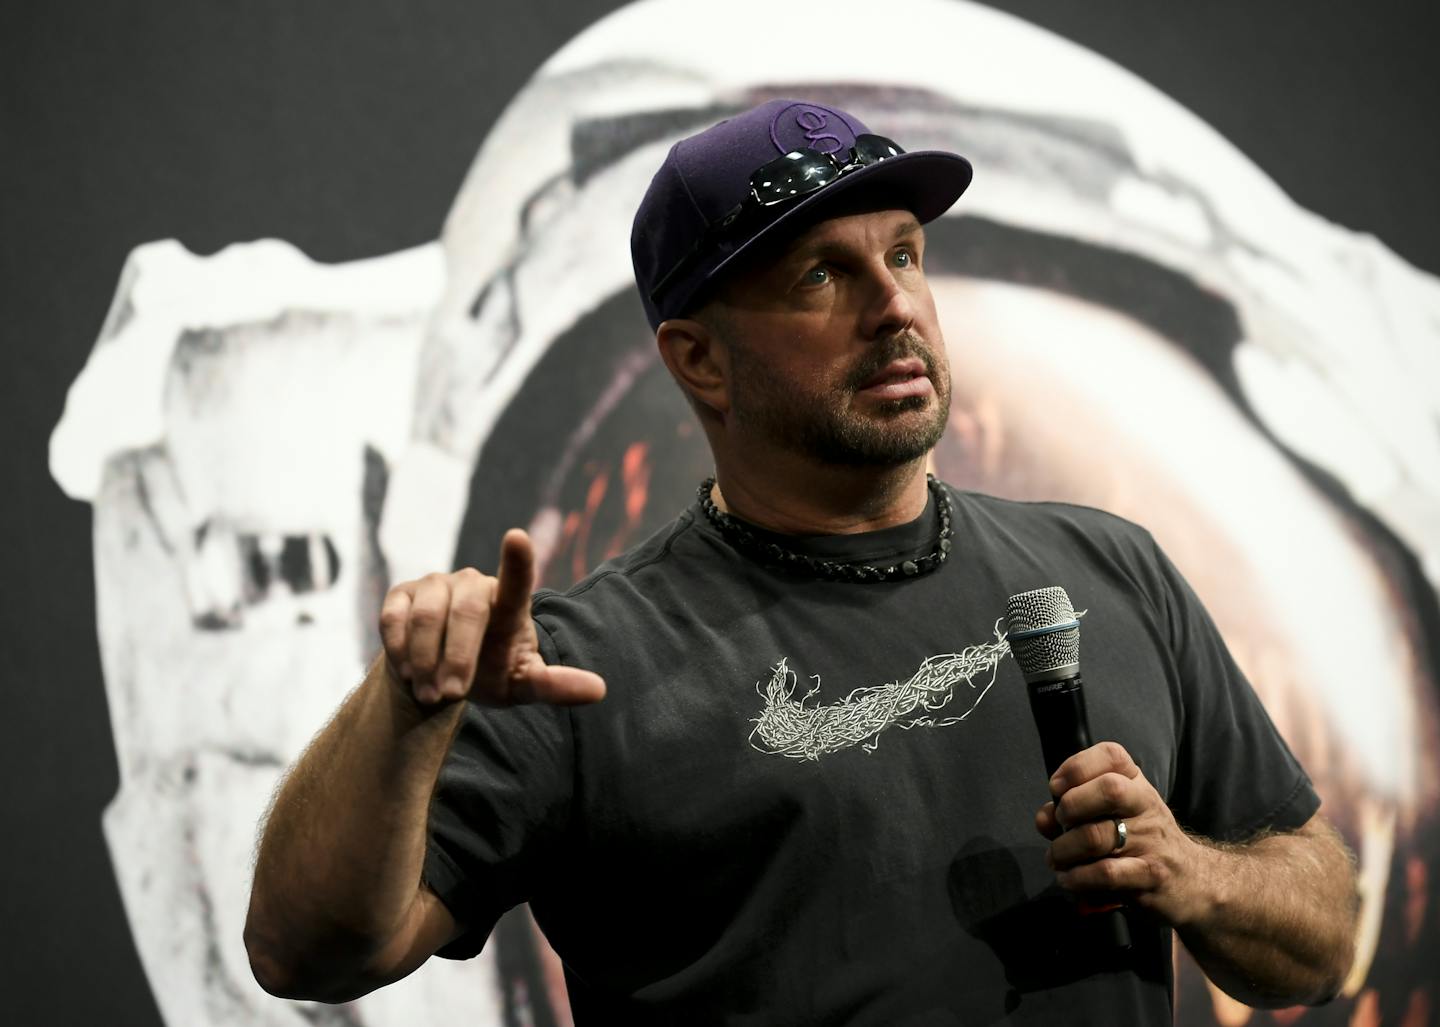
<point x="813" y="802"/>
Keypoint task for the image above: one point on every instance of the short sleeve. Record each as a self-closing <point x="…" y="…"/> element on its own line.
<point x="500" y="806"/>
<point x="1235" y="776"/>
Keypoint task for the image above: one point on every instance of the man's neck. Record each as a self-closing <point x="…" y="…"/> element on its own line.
<point x="796" y="498"/>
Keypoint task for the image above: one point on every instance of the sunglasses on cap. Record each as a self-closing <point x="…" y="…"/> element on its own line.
<point x="783" y="180"/>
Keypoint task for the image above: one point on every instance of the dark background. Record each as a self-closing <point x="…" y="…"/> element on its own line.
<point x="345" y="128"/>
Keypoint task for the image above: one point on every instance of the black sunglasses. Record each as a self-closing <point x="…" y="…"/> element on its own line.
<point x="782" y="180"/>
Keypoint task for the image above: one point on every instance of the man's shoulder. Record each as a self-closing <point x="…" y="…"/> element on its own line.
<point x="1049" y="516"/>
<point x="617" y="575"/>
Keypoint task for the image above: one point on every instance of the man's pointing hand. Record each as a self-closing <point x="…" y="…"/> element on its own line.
<point x="448" y="636"/>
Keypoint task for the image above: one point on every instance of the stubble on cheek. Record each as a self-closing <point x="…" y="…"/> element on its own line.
<point x="816" y="415"/>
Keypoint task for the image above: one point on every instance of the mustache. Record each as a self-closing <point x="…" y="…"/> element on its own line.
<point x="899" y="346"/>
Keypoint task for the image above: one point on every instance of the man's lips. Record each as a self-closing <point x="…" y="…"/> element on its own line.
<point x="896" y="371"/>
<point x="898" y="379"/>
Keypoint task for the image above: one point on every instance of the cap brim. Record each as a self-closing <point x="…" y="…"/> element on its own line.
<point x="926" y="182"/>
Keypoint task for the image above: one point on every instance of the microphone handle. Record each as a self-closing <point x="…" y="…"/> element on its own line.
<point x="1059" y="711"/>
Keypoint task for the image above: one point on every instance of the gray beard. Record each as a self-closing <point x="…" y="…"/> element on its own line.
<point x="829" y="431"/>
<point x="849" y="441"/>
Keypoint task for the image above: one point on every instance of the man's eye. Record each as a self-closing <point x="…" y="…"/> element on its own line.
<point x="817" y="275"/>
<point x="904" y="258"/>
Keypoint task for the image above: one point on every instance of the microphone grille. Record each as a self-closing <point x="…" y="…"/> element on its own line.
<point x="1035" y="611"/>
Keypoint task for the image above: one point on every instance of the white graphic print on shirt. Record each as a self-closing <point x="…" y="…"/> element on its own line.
<point x="788" y="727"/>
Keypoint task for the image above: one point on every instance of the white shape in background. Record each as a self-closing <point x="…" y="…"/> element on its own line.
<point x="238" y="393"/>
<point x="115" y="403"/>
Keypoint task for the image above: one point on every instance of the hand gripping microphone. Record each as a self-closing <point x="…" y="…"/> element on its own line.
<point x="1044" y="637"/>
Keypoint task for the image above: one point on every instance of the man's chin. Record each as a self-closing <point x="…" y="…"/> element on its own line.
<point x="887" y="438"/>
<point x="897" y="407"/>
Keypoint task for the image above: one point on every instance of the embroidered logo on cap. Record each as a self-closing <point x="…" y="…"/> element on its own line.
<point x="808" y="126"/>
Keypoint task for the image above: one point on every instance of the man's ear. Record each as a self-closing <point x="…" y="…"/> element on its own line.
<point x="698" y="359"/>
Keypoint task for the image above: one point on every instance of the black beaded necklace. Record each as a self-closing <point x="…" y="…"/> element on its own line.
<point x="745" y="540"/>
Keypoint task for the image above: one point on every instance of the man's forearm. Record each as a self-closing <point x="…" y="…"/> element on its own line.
<point x="1276" y="923"/>
<point x="340" y="860"/>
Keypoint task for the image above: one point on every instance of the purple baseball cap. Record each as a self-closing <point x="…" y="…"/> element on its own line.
<point x="676" y="245"/>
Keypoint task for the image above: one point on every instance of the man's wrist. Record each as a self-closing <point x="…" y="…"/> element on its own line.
<point x="400" y="697"/>
<point x="1200" y="882"/>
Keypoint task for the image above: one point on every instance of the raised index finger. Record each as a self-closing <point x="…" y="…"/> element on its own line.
<point x="517" y="580"/>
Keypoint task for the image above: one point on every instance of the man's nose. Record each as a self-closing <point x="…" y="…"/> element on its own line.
<point x="890" y="307"/>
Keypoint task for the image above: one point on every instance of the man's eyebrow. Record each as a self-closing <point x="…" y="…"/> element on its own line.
<point x="907" y="228"/>
<point x="821" y="247"/>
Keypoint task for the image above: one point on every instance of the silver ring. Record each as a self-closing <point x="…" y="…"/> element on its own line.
<point x="1122" y="834"/>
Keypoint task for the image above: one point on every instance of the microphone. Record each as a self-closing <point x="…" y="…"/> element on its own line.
<point x="1044" y="636"/>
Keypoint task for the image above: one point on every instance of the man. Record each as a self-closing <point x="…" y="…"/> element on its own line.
<point x="681" y="864"/>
